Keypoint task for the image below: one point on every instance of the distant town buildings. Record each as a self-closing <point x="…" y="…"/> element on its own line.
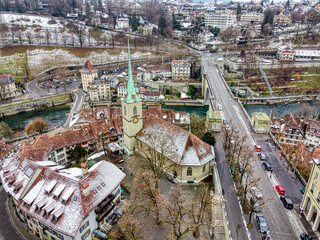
<point x="181" y="70"/>
<point x="220" y="20"/>
<point x="122" y="24"/>
<point x="287" y="53"/>
<point x="7" y="86"/>
<point x="252" y="17"/>
<point x="88" y="74"/>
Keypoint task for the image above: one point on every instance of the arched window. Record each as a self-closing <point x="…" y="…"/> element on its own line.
<point x="125" y="110"/>
<point x="189" y="171"/>
<point x="134" y="111"/>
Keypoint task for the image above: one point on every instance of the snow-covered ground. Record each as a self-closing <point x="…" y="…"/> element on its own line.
<point x="96" y="155"/>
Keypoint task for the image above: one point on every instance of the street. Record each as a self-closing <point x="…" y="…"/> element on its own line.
<point x="278" y="218"/>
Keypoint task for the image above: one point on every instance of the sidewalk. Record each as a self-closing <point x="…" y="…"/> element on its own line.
<point x="305" y="223"/>
<point x="20" y="226"/>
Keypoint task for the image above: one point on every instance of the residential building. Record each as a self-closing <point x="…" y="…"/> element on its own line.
<point x="310" y="204"/>
<point x="7" y="86"/>
<point x="252" y="17"/>
<point x="153" y="95"/>
<point x="312" y="133"/>
<point x="180" y="70"/>
<point x="289" y="129"/>
<point x="220" y="20"/>
<point x="99" y="90"/>
<point x="122" y="24"/>
<point x="60" y="203"/>
<point x="88" y="74"/>
<point x="286" y="52"/>
<point x="283" y="18"/>
<point x="205" y="37"/>
<point x="261" y="122"/>
<point x="213" y="121"/>
<point x="122" y="87"/>
<point x="147" y="30"/>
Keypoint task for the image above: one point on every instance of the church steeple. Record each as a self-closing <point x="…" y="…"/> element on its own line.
<point x="130" y="93"/>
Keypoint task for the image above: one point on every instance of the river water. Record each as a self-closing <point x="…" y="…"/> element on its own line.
<point x="53" y="116"/>
<point x="57" y="116"/>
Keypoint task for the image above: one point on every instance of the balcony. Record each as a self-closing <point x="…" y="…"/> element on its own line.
<point x="106" y="211"/>
<point x="104" y="204"/>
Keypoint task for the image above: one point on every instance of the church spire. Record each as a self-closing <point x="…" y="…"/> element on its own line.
<point x="130" y="93"/>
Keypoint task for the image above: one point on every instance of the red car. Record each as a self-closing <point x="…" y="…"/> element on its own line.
<point x="258" y="148"/>
<point x="280" y="190"/>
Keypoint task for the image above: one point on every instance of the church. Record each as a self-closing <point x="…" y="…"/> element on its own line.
<point x="191" y="158"/>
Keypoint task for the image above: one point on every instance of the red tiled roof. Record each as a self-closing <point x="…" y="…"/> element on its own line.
<point x="88" y="67"/>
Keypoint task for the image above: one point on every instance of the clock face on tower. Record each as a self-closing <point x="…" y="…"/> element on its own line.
<point x="135" y="120"/>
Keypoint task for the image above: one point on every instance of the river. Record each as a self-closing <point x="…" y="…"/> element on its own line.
<point x="53" y="116"/>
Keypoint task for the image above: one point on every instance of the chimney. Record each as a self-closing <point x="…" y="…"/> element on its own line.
<point x="84" y="168"/>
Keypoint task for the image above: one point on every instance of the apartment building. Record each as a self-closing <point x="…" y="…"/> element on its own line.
<point x="7" y="86"/>
<point x="252" y="17"/>
<point x="99" y="90"/>
<point x="122" y="24"/>
<point x="310" y="204"/>
<point x="88" y="74"/>
<point x="59" y="203"/>
<point x="220" y="20"/>
<point x="180" y="70"/>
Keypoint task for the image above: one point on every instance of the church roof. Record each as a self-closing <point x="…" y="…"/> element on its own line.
<point x="130" y="93"/>
<point x="175" y="143"/>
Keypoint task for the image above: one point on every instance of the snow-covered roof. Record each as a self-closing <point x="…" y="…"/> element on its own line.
<point x="65" y="214"/>
<point x="175" y="143"/>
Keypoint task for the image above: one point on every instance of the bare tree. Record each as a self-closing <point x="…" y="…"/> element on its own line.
<point x="80" y="32"/>
<point x="29" y="36"/>
<point x="228" y="36"/>
<point x="304" y="110"/>
<point x="48" y="36"/>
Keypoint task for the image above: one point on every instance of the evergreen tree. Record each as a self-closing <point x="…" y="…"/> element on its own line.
<point x="175" y="23"/>
<point x="239" y="9"/>
<point x="162" y="24"/>
<point x="134" y="23"/>
<point x="209" y="138"/>
<point x="88" y="11"/>
<point x="74" y="4"/>
<point x="288" y="4"/>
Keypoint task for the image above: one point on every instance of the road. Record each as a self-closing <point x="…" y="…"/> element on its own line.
<point x="7" y="229"/>
<point x="75" y="110"/>
<point x="276" y="216"/>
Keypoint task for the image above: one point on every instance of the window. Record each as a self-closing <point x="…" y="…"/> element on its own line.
<point x="84" y="226"/>
<point x="85" y="235"/>
<point x="204" y="168"/>
<point x="318" y="198"/>
<point x="134" y="110"/>
<point x="312" y="188"/>
<point x="189" y="171"/>
<point x="125" y="110"/>
<point x="316" y="177"/>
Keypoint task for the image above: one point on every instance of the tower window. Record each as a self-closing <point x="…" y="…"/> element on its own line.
<point x="125" y="110"/>
<point x="189" y="171"/>
<point x="134" y="110"/>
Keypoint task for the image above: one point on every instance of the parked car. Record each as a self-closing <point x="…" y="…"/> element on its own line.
<point x="280" y="190"/>
<point x="219" y="107"/>
<point x="240" y="168"/>
<point x="304" y="236"/>
<point x="262" y="224"/>
<point x="287" y="203"/>
<point x="256" y="207"/>
<point x="225" y="122"/>
<point x="267" y="166"/>
<point x="256" y="192"/>
<point x="258" y="148"/>
<point x="262" y="156"/>
<point x="170" y="179"/>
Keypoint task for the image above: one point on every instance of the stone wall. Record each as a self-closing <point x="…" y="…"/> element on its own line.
<point x="33" y="104"/>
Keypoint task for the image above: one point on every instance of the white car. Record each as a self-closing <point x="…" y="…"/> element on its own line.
<point x="219" y="107"/>
<point x="256" y="192"/>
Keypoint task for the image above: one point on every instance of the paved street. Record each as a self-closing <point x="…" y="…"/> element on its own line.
<point x="75" y="110"/>
<point x="276" y="216"/>
<point x="7" y="230"/>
